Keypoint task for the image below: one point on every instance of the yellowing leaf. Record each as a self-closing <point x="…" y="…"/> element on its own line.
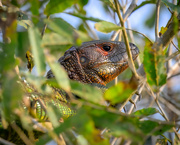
<point x="119" y="92"/>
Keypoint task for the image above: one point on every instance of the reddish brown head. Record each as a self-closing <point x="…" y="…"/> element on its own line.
<point x="97" y="61"/>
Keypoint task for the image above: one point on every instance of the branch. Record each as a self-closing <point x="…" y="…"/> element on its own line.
<point x="169" y="105"/>
<point x="161" y="109"/>
<point x="5" y="142"/>
<point x="21" y="134"/>
<point x="162" y="41"/>
<point x="130" y="60"/>
<point x="172" y="56"/>
<point x="128" y="12"/>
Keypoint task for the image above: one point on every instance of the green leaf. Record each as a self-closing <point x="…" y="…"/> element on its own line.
<point x="12" y="95"/>
<point x="149" y="126"/>
<point x="126" y="126"/>
<point x="83" y="17"/>
<point x="35" y="10"/>
<point x="106" y="27"/>
<point x="81" y="37"/>
<point x="54" y="39"/>
<point x="172" y="6"/>
<point x="87" y="92"/>
<point x="150" y="21"/>
<point x="61" y="27"/>
<point x="7" y="50"/>
<point x="154" y="65"/>
<point x="57" y="6"/>
<point x="59" y="73"/>
<point x="119" y="125"/>
<point x="35" y="42"/>
<point x="7" y="57"/>
<point x="119" y="92"/>
<point x="23" y="44"/>
<point x="82" y="3"/>
<point x="145" y="112"/>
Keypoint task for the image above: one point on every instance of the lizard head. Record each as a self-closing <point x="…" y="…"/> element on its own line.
<point x="98" y="61"/>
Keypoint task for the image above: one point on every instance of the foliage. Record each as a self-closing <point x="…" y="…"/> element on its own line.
<point x="34" y="110"/>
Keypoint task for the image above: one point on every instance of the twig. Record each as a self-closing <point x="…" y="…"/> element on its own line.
<point x="175" y="66"/>
<point x="130" y="60"/>
<point x="1" y="4"/>
<point x="131" y="108"/>
<point x="173" y="76"/>
<point x="175" y="46"/>
<point x="128" y="142"/>
<point x="157" y="20"/>
<point x="166" y="138"/>
<point x="5" y="142"/>
<point x="162" y="111"/>
<point x="17" y="71"/>
<point x="128" y="12"/>
<point x="130" y="32"/>
<point x="169" y="105"/>
<point x="114" y="35"/>
<point x="44" y="28"/>
<point x="21" y="134"/>
<point x="163" y="41"/>
<point x="140" y="34"/>
<point x="125" y="16"/>
<point x="172" y="56"/>
<point x="88" y="27"/>
<point x="38" y="125"/>
<point x="91" y="30"/>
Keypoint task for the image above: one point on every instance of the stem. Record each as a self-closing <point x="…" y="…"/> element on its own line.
<point x="130" y="60"/>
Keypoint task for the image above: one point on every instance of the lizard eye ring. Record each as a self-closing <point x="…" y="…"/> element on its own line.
<point x="106" y="47"/>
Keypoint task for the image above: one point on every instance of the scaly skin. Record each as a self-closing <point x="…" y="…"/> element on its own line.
<point x="89" y="63"/>
<point x="98" y="61"/>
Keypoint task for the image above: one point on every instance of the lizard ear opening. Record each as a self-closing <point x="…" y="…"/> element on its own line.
<point x="83" y="59"/>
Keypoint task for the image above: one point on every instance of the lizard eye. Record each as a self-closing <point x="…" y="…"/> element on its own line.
<point x="106" y="47"/>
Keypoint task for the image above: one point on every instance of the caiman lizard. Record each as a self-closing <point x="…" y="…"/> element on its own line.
<point x="94" y="62"/>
